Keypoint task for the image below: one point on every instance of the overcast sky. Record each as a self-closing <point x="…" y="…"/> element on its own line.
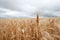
<point x="28" y="8"/>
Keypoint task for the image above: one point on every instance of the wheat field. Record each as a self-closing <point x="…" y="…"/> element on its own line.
<point x="30" y="29"/>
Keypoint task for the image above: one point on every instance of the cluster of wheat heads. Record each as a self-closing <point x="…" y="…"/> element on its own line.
<point x="50" y="28"/>
<point x="18" y="29"/>
<point x="26" y="29"/>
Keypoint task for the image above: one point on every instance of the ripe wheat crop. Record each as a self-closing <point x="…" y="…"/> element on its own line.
<point x="30" y="29"/>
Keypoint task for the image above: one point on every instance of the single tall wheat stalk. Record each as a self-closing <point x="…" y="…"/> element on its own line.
<point x="39" y="35"/>
<point x="37" y="19"/>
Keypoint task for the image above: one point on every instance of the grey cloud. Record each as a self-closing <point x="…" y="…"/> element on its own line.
<point x="29" y="7"/>
<point x="17" y="4"/>
<point x="6" y="13"/>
